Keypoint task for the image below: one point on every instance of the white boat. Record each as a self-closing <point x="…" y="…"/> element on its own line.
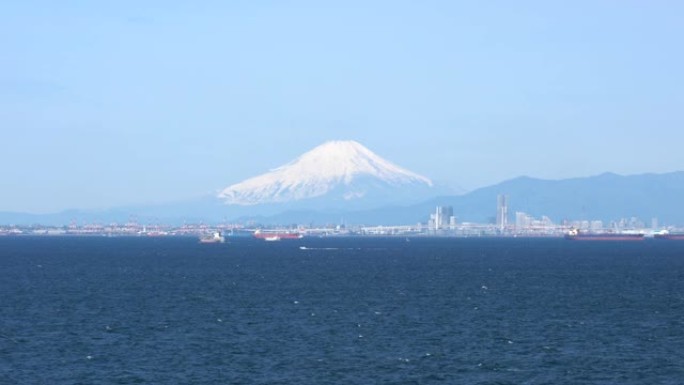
<point x="216" y="237"/>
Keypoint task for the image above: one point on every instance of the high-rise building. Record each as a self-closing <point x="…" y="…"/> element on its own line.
<point x="522" y="220"/>
<point x="443" y="216"/>
<point x="501" y="211"/>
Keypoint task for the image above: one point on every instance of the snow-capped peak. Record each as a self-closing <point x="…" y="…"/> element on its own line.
<point x="334" y="165"/>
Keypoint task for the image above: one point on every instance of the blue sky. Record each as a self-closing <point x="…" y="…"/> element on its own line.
<point x="112" y="103"/>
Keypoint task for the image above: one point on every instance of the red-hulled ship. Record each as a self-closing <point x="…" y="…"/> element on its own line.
<point x="576" y="235"/>
<point x="273" y="235"/>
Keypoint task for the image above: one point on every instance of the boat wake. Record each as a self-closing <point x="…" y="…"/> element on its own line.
<point x="342" y="248"/>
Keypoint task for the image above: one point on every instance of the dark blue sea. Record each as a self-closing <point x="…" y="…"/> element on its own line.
<point x="341" y="311"/>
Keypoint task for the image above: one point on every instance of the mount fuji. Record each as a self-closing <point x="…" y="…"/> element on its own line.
<point x="334" y="175"/>
<point x="324" y="184"/>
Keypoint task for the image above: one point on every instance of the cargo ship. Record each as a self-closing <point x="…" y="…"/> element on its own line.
<point x="576" y="235"/>
<point x="669" y="236"/>
<point x="276" y="235"/>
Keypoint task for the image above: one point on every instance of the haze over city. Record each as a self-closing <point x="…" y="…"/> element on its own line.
<point x="126" y="103"/>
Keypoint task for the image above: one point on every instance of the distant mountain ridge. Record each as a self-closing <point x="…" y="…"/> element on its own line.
<point x="605" y="197"/>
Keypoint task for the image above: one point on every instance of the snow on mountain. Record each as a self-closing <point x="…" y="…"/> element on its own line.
<point x="342" y="170"/>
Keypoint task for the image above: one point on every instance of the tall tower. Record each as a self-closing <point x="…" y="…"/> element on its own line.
<point x="443" y="216"/>
<point x="501" y="211"/>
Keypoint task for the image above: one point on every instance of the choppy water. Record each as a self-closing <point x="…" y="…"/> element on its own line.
<point x="342" y="311"/>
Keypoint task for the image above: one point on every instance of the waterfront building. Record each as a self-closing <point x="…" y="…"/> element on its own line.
<point x="522" y="220"/>
<point x="442" y="217"/>
<point x="501" y="211"/>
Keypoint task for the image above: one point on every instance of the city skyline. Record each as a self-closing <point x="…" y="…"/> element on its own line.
<point x="608" y="198"/>
<point x="106" y="105"/>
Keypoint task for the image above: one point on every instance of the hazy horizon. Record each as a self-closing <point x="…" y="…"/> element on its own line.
<point x="107" y="105"/>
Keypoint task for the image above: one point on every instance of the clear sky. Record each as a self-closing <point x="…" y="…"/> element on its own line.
<point x="119" y="102"/>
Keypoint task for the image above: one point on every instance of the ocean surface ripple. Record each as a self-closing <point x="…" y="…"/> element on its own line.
<point x="340" y="311"/>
